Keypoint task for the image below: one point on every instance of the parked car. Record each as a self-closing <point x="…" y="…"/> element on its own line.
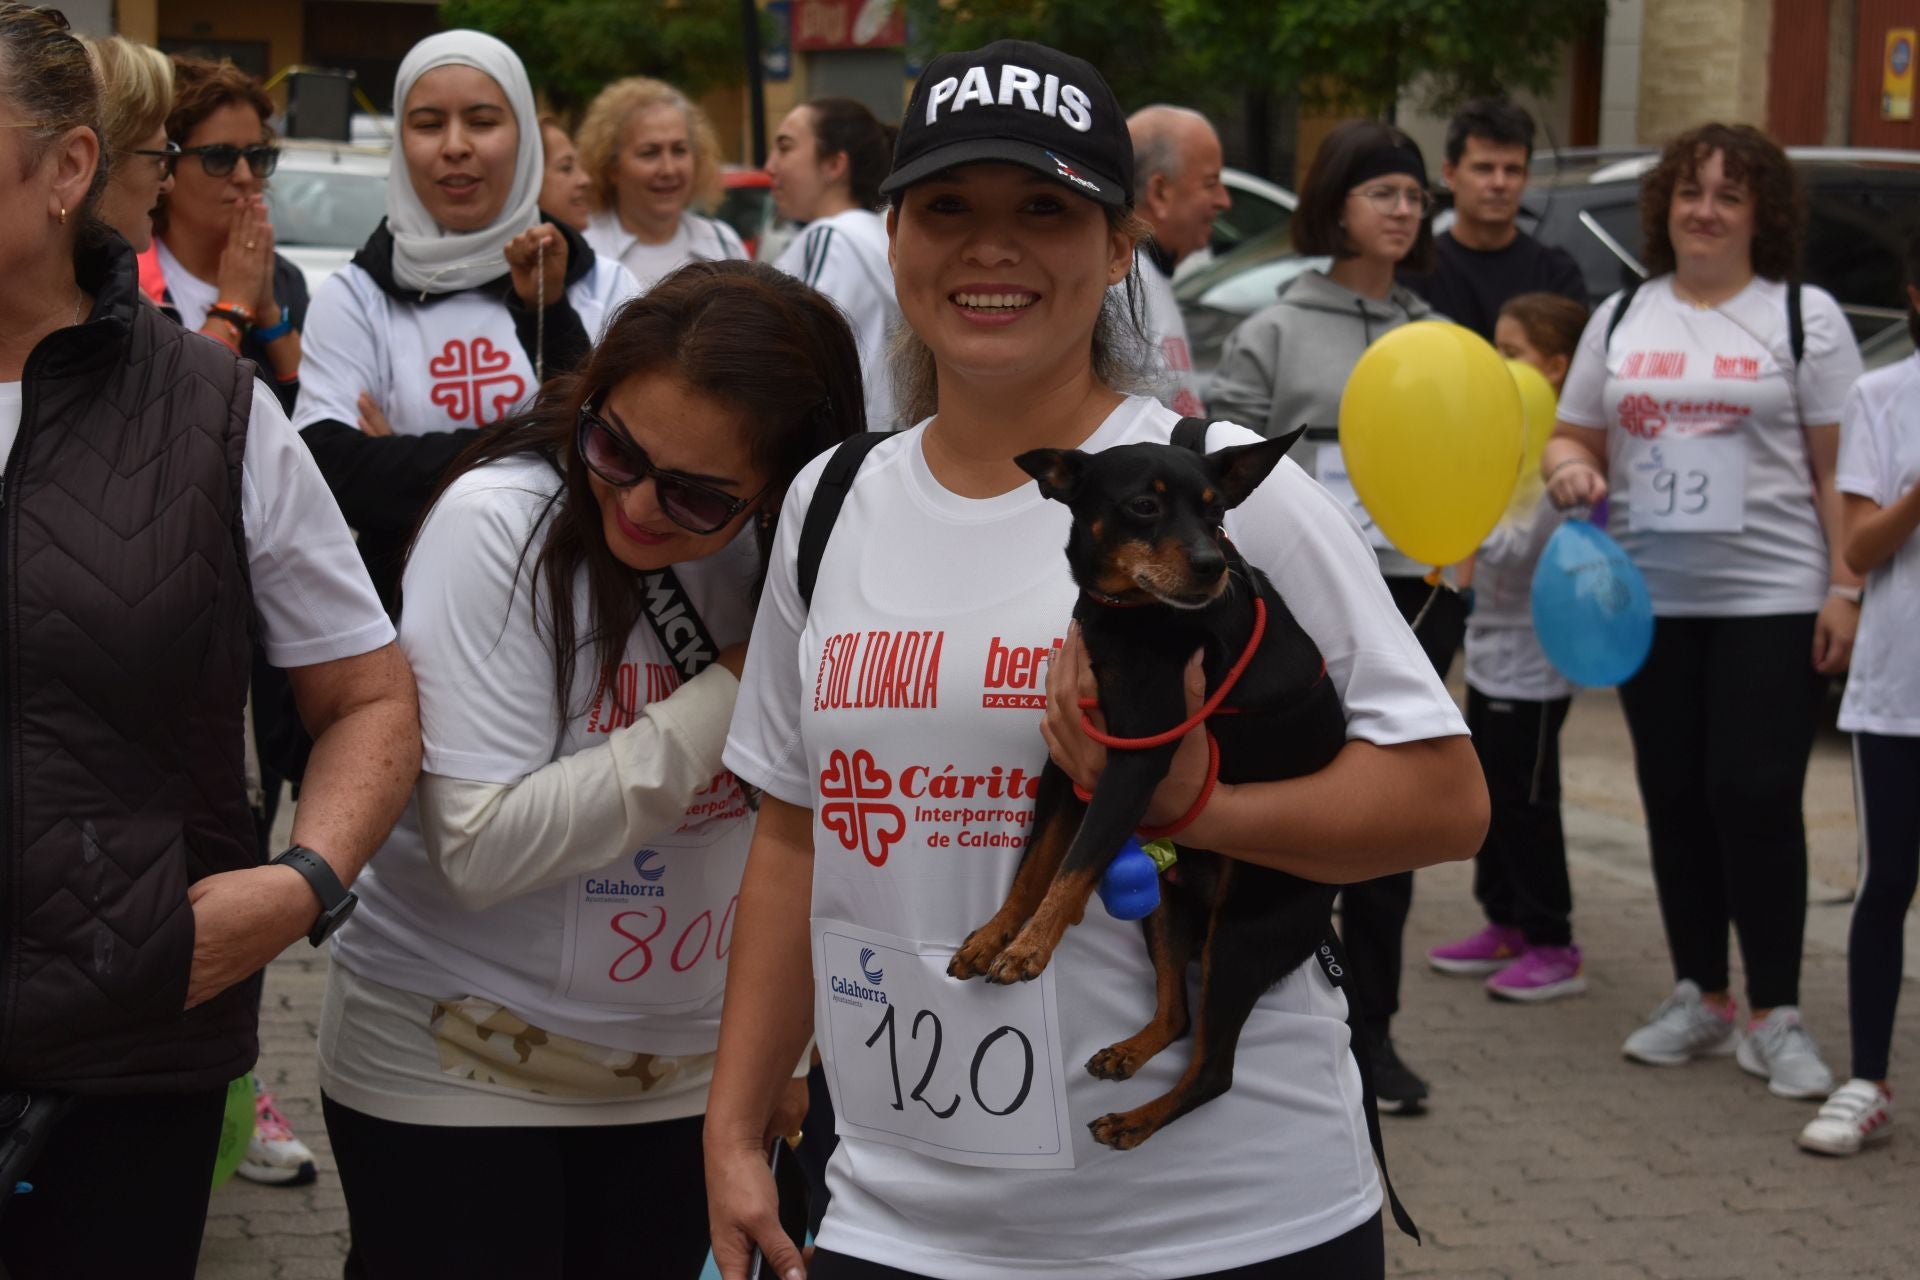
<point x="325" y="199"/>
<point x="1258" y="207"/>
<point x="1863" y="203"/>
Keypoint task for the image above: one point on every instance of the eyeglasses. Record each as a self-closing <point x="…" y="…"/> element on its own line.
<point x="218" y="159"/>
<point x="695" y="507"/>
<point x="169" y="158"/>
<point x="1386" y="200"/>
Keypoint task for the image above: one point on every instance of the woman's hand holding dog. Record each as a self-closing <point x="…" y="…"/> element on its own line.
<point x="1070" y="679"/>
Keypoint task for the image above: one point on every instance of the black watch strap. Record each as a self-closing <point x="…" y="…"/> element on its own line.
<point x="336" y="900"/>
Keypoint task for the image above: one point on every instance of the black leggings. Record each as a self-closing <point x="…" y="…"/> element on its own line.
<point x="1887" y="774"/>
<point x="1373" y="915"/>
<point x="120" y="1190"/>
<point x="1520" y="873"/>
<point x="1358" y="1255"/>
<point x="1722" y="718"/>
<point x="429" y="1201"/>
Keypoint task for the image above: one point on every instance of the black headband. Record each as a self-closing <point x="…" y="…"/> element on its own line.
<point x="1397" y="157"/>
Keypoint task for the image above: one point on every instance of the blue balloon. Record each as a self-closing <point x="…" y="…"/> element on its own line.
<point x="1590" y="607"/>
<point x="1130" y="889"/>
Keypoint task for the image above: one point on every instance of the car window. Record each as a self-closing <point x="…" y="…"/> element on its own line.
<point x="1856" y="244"/>
<point x="326" y="208"/>
<point x="1603" y="269"/>
<point x="1250" y="215"/>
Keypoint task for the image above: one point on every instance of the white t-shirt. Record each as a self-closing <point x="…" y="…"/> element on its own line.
<point x="191" y="295"/>
<point x="1504" y="657"/>
<point x="1711" y="493"/>
<point x="904" y="710"/>
<point x="698" y="238"/>
<point x="449" y="362"/>
<point x="845" y="257"/>
<point x="1880" y="459"/>
<point x="1167" y="331"/>
<point x="632" y="957"/>
<point x="310" y="591"/>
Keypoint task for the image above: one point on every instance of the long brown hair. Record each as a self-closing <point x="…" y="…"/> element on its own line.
<point x="756" y="340"/>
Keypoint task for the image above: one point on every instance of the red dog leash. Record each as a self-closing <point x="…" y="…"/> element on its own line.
<point x="1207" y="710"/>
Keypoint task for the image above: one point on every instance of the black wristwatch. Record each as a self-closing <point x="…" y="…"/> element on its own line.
<point x="336" y="900"/>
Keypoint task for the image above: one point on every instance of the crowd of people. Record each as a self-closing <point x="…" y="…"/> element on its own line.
<point x="629" y="794"/>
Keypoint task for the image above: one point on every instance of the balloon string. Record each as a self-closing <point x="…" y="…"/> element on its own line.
<point x="1432" y="595"/>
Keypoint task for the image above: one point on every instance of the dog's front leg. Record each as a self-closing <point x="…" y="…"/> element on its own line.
<point x="1119" y="803"/>
<point x="1056" y="814"/>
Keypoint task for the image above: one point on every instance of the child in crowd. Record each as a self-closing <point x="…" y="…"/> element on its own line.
<point x="1516" y="703"/>
<point x="1879" y="480"/>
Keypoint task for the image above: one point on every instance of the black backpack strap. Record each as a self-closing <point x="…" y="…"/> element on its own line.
<point x="828" y="497"/>
<point x="1191" y="433"/>
<point x="1796" y="330"/>
<point x="1619" y="313"/>
<point x="1333" y="962"/>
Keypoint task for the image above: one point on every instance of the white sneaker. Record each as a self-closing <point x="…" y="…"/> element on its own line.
<point x="1683" y="1028"/>
<point x="1782" y="1051"/>
<point x="274" y="1156"/>
<point x="1857" y="1113"/>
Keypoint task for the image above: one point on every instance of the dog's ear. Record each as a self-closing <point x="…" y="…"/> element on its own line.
<point x="1238" y="471"/>
<point x="1057" y="470"/>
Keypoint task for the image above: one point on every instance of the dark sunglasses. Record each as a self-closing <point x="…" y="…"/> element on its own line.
<point x="218" y="159"/>
<point x="695" y="507"/>
<point x="168" y="156"/>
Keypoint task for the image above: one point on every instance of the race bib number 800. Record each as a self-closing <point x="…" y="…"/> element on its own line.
<point x="962" y="1071"/>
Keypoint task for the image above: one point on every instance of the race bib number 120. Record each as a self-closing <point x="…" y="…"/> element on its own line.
<point x="961" y="1071"/>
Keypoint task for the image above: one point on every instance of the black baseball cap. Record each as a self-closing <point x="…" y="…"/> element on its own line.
<point x="1021" y="103"/>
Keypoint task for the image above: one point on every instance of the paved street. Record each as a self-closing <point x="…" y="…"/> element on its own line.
<point x="1545" y="1153"/>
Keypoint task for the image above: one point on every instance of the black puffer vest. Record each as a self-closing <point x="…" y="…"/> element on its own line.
<point x="124" y="658"/>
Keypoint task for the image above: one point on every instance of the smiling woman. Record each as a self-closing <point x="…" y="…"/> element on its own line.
<point x="447" y="317"/>
<point x="652" y="156"/>
<point x="577" y="601"/>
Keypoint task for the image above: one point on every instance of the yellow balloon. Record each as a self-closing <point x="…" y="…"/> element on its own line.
<point x="1430" y="427"/>
<point x="1538" y="405"/>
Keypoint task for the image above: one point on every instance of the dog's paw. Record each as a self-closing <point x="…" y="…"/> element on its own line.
<point x="977" y="952"/>
<point x="1121" y="1130"/>
<point x="1022" y="961"/>
<point x="1115" y="1062"/>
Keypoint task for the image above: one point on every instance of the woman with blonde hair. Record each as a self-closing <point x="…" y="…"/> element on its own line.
<point x="652" y="156"/>
<point x="136" y="92"/>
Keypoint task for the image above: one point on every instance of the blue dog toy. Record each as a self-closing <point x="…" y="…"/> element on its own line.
<point x="1130" y="889"/>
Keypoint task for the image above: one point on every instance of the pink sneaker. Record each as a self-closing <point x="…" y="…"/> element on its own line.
<point x="1488" y="951"/>
<point x="1541" y="973"/>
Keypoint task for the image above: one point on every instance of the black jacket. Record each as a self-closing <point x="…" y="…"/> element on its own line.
<point x="124" y="656"/>
<point x="383" y="483"/>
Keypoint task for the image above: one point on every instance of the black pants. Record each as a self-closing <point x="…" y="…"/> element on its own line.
<point x="1357" y="1255"/>
<point x="1722" y="718"/>
<point x="1520" y="873"/>
<point x="120" y="1190"/>
<point x="1887" y="775"/>
<point x="1373" y="915"/>
<point x="590" y="1201"/>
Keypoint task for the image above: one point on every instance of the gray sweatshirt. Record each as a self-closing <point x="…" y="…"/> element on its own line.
<point x="1286" y="366"/>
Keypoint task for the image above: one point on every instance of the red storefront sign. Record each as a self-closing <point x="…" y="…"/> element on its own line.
<point x="849" y="24"/>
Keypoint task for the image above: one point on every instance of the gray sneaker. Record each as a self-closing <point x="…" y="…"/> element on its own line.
<point x="1683" y="1028"/>
<point x="1782" y="1052"/>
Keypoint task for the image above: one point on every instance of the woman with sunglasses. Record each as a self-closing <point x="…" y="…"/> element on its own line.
<point x="213" y="263"/>
<point x="527" y="1001"/>
<point x="459" y="302"/>
<point x="1365" y="205"/>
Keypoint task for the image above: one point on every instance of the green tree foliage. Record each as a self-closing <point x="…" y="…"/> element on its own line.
<point x="574" y="47"/>
<point x="1353" y="53"/>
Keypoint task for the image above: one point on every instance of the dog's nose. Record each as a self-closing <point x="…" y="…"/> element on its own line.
<point x="1207" y="563"/>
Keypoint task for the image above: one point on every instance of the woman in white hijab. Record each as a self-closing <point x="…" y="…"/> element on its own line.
<point x="457" y="306"/>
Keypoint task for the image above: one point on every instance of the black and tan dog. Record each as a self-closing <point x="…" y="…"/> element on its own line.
<point x="1159" y="581"/>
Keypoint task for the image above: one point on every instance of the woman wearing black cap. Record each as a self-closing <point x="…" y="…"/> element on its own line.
<point x="1365" y="204"/>
<point x="894" y="721"/>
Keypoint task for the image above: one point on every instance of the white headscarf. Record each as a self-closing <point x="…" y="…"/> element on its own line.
<point x="427" y="256"/>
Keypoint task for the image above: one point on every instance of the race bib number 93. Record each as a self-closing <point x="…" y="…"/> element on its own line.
<point x="962" y="1071"/>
